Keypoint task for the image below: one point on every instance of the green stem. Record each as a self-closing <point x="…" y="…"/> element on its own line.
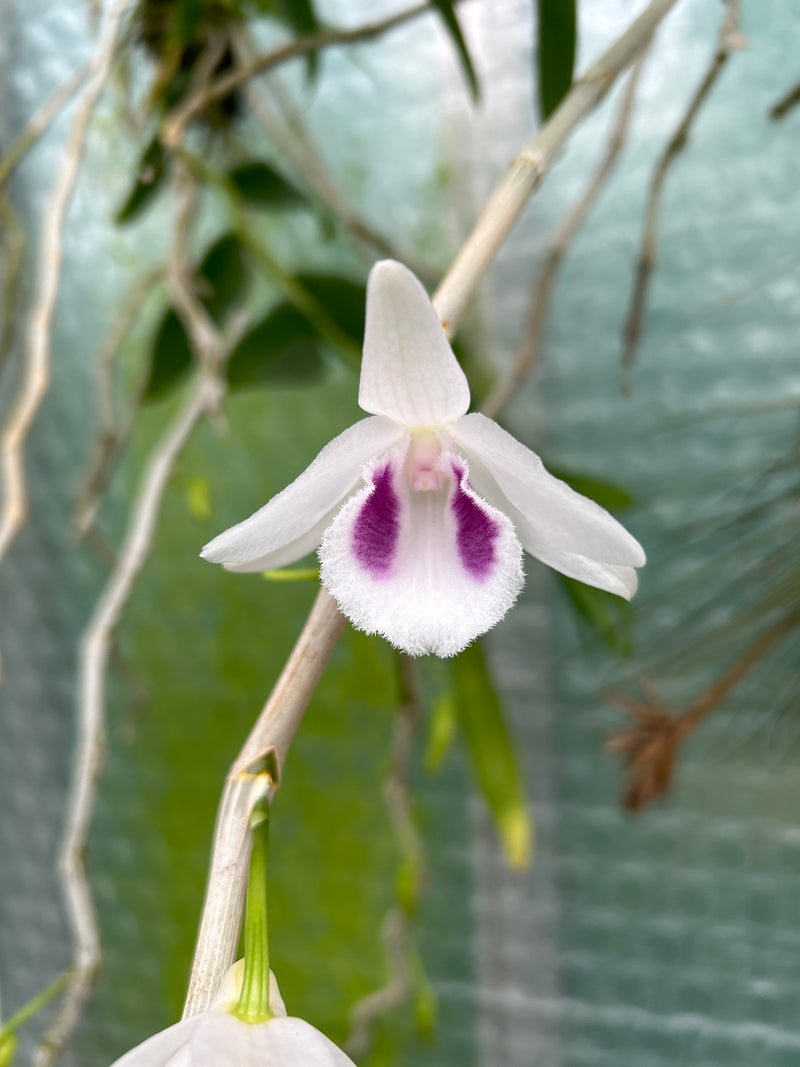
<point x="253" y="1006"/>
<point x="34" y="1005"/>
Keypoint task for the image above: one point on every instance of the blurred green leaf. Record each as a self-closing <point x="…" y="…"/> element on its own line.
<point x="556" y="26"/>
<point x="282" y="349"/>
<point x="442" y="732"/>
<point x="426" y="1010"/>
<point x="491" y="751"/>
<point x="198" y="498"/>
<point x="300" y="15"/>
<point x="606" y="494"/>
<point x="188" y="16"/>
<point x="170" y="357"/>
<point x="225" y="276"/>
<point x="292" y="574"/>
<point x="149" y="179"/>
<point x="343" y="300"/>
<point x="447" y="11"/>
<point x="8" y="1049"/>
<point x="606" y="615"/>
<point x="262" y="186"/>
<point x="408" y="883"/>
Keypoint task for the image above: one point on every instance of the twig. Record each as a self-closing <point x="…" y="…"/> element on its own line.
<point x="95" y="645"/>
<point x="730" y="40"/>
<point x="254" y="774"/>
<point x="782" y="107"/>
<point x="14" y="251"/>
<point x="393" y="993"/>
<point x="176" y="122"/>
<point x="529" y="349"/>
<point x="526" y="173"/>
<point x="298" y="146"/>
<point x="650" y="745"/>
<point x="396" y="929"/>
<point x="36" y="372"/>
<point x="41" y="119"/>
<point x="110" y="434"/>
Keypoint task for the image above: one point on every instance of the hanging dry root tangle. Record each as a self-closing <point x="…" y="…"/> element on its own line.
<point x="650" y="745"/>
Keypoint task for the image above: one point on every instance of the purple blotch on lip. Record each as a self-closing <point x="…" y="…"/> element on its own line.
<point x="476" y="532"/>
<point x="377" y="526"/>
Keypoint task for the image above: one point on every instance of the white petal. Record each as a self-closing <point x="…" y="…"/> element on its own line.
<point x="554" y="523"/>
<point x="165" y="1048"/>
<point x="292" y="523"/>
<point x="408" y="372"/>
<point x="292" y="1042"/>
<point x="428" y="570"/>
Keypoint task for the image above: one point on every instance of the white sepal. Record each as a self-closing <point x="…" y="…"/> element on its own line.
<point x="291" y="524"/>
<point x="562" y="528"/>
<point x="408" y="371"/>
<point x="217" y="1039"/>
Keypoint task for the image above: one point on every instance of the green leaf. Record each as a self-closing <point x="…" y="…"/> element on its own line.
<point x="223" y="275"/>
<point x="606" y="615"/>
<point x="262" y="186"/>
<point x="292" y="574"/>
<point x="491" y="752"/>
<point x="446" y="10"/>
<point x="557" y="21"/>
<point x="441" y="733"/>
<point x="300" y="15"/>
<point x="343" y="300"/>
<point x="281" y="350"/>
<point x="8" y="1049"/>
<point x="188" y="17"/>
<point x="170" y="357"/>
<point x="198" y="498"/>
<point x="225" y="272"/>
<point x="606" y="494"/>
<point x="149" y="179"/>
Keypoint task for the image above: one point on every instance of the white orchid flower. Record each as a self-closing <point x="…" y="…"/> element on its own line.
<point x="421" y="512"/>
<point x="218" y="1039"/>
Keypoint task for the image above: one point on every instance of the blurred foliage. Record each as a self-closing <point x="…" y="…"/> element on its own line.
<point x="556" y="27"/>
<point x="282" y="349"/>
<point x="603" y="614"/>
<point x="259" y="184"/>
<point x="149" y="181"/>
<point x="224" y="276"/>
<point x="8" y="1049"/>
<point x="492" y="752"/>
<point x="446" y="9"/>
<point x="442" y="732"/>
